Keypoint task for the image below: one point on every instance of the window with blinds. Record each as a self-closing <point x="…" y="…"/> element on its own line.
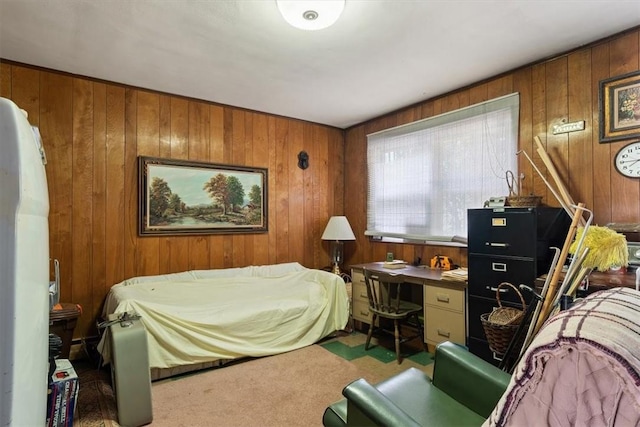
<point x="423" y="176"/>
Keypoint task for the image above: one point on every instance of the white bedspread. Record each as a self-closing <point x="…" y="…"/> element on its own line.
<point x="200" y="316"/>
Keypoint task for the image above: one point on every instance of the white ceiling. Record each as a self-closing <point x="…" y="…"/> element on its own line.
<point x="380" y="56"/>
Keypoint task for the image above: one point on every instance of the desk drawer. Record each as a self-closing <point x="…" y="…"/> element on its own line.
<point x="443" y="325"/>
<point x="486" y="274"/>
<point x="507" y="232"/>
<point x="451" y="299"/>
<point x="361" y="311"/>
<point x="360" y="292"/>
<point x="357" y="277"/>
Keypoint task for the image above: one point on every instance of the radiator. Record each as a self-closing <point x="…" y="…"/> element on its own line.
<point x="130" y="371"/>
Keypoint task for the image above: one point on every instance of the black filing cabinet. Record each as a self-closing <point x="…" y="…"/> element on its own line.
<point x="507" y="245"/>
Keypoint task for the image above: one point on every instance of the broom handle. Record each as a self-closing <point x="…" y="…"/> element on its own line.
<point x="538" y="303"/>
<point x="550" y="296"/>
<point x="568" y="209"/>
<point x="564" y="193"/>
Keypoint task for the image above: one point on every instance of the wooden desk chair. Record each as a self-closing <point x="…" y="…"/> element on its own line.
<point x="383" y="291"/>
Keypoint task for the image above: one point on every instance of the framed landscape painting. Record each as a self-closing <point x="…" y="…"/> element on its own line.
<point x="179" y="197"/>
<point x="620" y="107"/>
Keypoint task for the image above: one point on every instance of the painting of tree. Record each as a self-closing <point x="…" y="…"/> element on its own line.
<point x="218" y="190"/>
<point x="179" y="197"/>
<point x="159" y="194"/>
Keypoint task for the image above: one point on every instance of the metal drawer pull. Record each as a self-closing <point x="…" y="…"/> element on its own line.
<point x="363" y="295"/>
<point x="364" y="313"/>
<point x="496" y="244"/>
<point x="499" y="266"/>
<point x="444" y="333"/>
<point x="442" y="298"/>
<point x="495" y="289"/>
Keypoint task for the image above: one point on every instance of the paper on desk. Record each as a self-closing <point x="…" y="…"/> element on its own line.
<point x="460" y="274"/>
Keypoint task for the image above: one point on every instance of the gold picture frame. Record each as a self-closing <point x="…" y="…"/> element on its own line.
<point x="620" y="107"/>
<point x="179" y="197"/>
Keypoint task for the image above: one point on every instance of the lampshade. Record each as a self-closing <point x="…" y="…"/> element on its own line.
<point x="338" y="228"/>
<point x="311" y="14"/>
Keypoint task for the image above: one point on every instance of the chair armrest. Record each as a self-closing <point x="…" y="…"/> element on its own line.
<point x="475" y="383"/>
<point x="367" y="406"/>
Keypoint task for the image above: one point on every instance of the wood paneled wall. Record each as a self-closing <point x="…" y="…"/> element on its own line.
<point x="94" y="131"/>
<point x="563" y="89"/>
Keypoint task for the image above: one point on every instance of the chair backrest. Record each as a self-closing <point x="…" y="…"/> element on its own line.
<point x="383" y="291"/>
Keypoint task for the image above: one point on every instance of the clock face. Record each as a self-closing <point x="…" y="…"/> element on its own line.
<point x="627" y="160"/>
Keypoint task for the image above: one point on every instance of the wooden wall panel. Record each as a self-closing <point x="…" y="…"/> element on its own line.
<point x="308" y="215"/>
<point x="81" y="172"/>
<point x="551" y="91"/>
<point x="526" y="172"/>
<point x="556" y="109"/>
<point x="5" y="80"/>
<point x="99" y="208"/>
<point x="147" y="137"/>
<point x="115" y="192"/>
<point x="129" y="215"/>
<point x="261" y="155"/>
<point x="538" y="128"/>
<point x="56" y="127"/>
<point x="579" y="152"/>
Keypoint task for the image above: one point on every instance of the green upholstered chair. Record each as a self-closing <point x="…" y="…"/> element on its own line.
<point x="463" y="392"/>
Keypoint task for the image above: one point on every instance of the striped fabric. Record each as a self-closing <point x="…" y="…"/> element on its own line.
<point x="582" y="369"/>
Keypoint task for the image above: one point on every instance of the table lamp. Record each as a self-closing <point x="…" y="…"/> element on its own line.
<point x="337" y="230"/>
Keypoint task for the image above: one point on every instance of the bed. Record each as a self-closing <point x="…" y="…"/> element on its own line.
<point x="196" y="318"/>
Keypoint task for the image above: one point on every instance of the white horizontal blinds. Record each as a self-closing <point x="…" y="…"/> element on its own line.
<point x="425" y="175"/>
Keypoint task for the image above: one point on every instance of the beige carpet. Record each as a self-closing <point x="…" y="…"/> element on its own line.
<point x="301" y="383"/>
<point x="290" y="389"/>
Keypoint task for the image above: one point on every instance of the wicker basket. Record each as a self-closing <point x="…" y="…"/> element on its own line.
<point x="524" y="201"/>
<point x="501" y="324"/>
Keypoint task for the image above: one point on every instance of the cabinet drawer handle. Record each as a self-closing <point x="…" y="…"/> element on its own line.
<point x="495" y="289"/>
<point x="364" y="313"/>
<point x="499" y="266"/>
<point x="445" y="334"/>
<point x="497" y="244"/>
<point x="442" y="298"/>
<point x="363" y="295"/>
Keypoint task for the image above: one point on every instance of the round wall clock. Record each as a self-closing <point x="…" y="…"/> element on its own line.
<point x="627" y="160"/>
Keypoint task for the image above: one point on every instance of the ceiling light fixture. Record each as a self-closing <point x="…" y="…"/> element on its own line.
<point x="311" y="14"/>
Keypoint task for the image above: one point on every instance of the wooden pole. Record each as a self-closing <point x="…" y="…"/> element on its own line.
<point x="538" y="303"/>
<point x="568" y="209"/>
<point x="550" y="296"/>
<point x="562" y="189"/>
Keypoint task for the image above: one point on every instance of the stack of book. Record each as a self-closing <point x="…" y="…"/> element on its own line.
<point x="460" y="274"/>
<point x="396" y="263"/>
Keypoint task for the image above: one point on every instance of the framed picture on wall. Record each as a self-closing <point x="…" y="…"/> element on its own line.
<point x="620" y="107"/>
<point x="179" y="197"/>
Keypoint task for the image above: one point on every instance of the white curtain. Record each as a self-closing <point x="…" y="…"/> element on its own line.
<point x="425" y="175"/>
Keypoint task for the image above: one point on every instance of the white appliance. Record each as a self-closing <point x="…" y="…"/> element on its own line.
<point x="24" y="272"/>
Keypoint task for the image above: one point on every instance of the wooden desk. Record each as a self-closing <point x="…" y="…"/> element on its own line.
<point x="599" y="281"/>
<point x="444" y="301"/>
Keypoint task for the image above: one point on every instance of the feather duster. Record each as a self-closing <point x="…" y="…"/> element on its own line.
<point x="607" y="248"/>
